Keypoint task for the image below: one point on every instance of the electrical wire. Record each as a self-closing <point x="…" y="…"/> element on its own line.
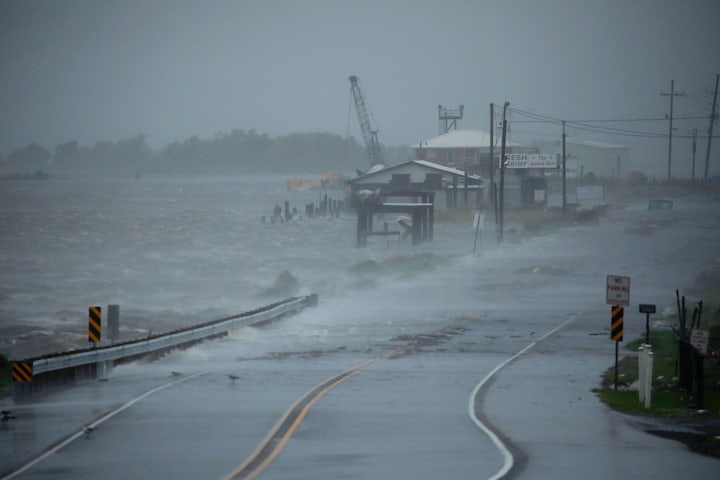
<point x="586" y="125"/>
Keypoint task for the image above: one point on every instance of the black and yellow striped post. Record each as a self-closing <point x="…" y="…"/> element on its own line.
<point x="616" y="325"/>
<point x="616" y="333"/>
<point x="22" y="371"/>
<point x="94" y="324"/>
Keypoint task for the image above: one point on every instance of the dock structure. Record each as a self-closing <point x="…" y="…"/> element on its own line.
<point x="418" y="205"/>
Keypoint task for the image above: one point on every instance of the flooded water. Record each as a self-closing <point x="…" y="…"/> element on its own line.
<point x="173" y="252"/>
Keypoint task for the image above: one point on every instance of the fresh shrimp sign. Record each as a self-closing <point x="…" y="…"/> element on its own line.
<point x="530" y="160"/>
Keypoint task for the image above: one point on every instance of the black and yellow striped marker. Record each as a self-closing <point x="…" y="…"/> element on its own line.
<point x="616" y="324"/>
<point x="94" y="324"/>
<point x="22" y="371"/>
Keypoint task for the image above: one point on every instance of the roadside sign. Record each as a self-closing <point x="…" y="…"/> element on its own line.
<point x="479" y="221"/>
<point x="531" y="160"/>
<point x="618" y="290"/>
<point x="94" y="324"/>
<point x="647" y="308"/>
<point x="589" y="196"/>
<point x="22" y="371"/>
<point x="700" y="339"/>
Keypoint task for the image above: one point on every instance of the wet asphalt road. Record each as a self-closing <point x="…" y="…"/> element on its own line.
<point x="410" y="415"/>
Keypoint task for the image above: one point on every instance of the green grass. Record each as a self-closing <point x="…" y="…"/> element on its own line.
<point x="667" y="397"/>
<point x="662" y="403"/>
<point x="637" y="189"/>
<point x="520" y="222"/>
<point x="664" y="373"/>
<point x="664" y="342"/>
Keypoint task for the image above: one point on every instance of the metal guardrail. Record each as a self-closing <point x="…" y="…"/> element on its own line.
<point x="169" y="340"/>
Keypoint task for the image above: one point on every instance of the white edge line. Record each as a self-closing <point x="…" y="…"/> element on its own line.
<point x="103" y="419"/>
<point x="508" y="459"/>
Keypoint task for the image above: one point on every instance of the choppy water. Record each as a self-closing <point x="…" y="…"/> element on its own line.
<point x="170" y="252"/>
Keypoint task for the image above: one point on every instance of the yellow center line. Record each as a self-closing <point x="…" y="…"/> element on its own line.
<point x="247" y="470"/>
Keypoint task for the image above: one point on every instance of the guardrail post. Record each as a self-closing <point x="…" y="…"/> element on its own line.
<point x="648" y="379"/>
<point x="113" y="333"/>
<point x="641" y="372"/>
<point x="103" y="369"/>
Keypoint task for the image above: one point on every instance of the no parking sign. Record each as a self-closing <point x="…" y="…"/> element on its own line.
<point x="618" y="290"/>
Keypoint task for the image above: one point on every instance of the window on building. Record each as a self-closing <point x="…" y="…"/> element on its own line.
<point x="433" y="181"/>
<point x="448" y="157"/>
<point x="400" y="180"/>
<point x="470" y="156"/>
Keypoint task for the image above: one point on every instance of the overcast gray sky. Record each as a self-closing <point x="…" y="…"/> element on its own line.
<point x="111" y="69"/>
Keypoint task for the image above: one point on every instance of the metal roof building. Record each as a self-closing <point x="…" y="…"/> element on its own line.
<point x="465" y="149"/>
<point x="589" y="156"/>
<point x="419" y="175"/>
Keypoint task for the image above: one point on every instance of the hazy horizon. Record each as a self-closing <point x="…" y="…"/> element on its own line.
<point x="92" y="71"/>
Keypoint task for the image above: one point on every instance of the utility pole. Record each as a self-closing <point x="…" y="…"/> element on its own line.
<point x="672" y="95"/>
<point x="710" y="130"/>
<point x="694" y="149"/>
<point x="502" y="174"/>
<point x="492" y="163"/>
<point x="564" y="175"/>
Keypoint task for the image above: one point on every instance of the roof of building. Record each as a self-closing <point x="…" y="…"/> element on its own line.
<point x="460" y="139"/>
<point x="422" y="163"/>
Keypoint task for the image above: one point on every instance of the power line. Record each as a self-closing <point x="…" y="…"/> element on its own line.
<point x="617" y="131"/>
<point x="584" y="125"/>
<point x="610" y="120"/>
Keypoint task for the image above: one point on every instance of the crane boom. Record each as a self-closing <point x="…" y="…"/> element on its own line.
<point x="372" y="145"/>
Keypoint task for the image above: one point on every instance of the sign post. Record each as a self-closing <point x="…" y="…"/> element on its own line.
<point x="647" y="309"/>
<point x="617" y="294"/>
<point x="616" y="333"/>
<point x="700" y="339"/>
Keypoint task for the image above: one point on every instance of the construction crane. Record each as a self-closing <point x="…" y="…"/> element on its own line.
<point x="372" y="145"/>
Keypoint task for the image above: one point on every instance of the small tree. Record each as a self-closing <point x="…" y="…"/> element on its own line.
<point x="636" y="178"/>
<point x="28" y="159"/>
<point x="68" y="156"/>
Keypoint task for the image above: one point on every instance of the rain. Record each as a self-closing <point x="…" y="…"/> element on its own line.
<point x="189" y="161"/>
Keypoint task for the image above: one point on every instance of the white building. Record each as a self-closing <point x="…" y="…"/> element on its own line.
<point x="450" y="186"/>
<point x="586" y="156"/>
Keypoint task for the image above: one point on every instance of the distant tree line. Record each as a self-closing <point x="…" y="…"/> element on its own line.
<point x="237" y="152"/>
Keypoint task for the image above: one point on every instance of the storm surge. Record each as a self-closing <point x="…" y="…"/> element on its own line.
<point x="174" y="252"/>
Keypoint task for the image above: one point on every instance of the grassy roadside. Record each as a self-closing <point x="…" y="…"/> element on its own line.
<point x="674" y="410"/>
<point x="668" y="399"/>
